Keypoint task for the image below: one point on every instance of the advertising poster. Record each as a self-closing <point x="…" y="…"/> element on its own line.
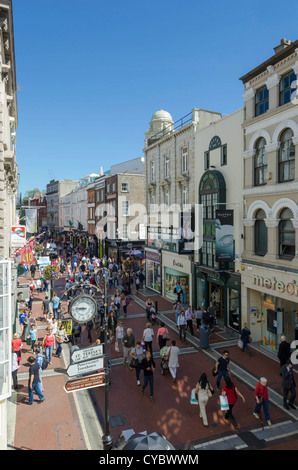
<point x="18" y="236"/>
<point x="224" y="234"/>
<point x="187" y="232"/>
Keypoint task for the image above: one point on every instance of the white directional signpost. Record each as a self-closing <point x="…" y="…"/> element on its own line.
<point x="84" y="354"/>
<point x="86" y="367"/>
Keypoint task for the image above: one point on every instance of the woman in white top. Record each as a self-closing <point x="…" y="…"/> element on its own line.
<point x="172" y="357"/>
<point x="148" y="337"/>
<point x="119" y="335"/>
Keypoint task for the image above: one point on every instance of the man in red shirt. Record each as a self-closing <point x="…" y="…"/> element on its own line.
<point x="261" y="396"/>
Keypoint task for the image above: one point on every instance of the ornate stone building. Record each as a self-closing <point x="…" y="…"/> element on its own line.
<point x="8" y="124"/>
<point x="270" y="256"/>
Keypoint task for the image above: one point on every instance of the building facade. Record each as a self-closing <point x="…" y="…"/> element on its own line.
<point x="218" y="176"/>
<point x="56" y="190"/>
<point x="170" y="190"/>
<point x="270" y="256"/>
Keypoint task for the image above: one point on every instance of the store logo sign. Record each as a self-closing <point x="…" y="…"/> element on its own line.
<point x="294" y="355"/>
<point x="177" y="263"/>
<point x="290" y="288"/>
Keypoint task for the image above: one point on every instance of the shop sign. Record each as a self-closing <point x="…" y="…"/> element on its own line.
<point x="177" y="264"/>
<point x="153" y="256"/>
<point x="290" y="288"/>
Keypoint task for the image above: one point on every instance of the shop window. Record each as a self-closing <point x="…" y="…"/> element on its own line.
<point x="261" y="235"/>
<point x="260" y="163"/>
<point x="286" y="157"/>
<point x="286" y="235"/>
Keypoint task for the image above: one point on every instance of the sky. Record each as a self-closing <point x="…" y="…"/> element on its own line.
<point x="91" y="74"/>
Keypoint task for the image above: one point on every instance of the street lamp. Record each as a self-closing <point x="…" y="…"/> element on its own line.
<point x="107" y="438"/>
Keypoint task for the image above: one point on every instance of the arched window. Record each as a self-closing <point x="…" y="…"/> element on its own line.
<point x="260" y="162"/>
<point x="286" y="235"/>
<point x="261" y="236"/>
<point x="286" y="158"/>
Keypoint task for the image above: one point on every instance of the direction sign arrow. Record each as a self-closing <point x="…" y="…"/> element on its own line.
<point x="84" y="354"/>
<point x="84" y="367"/>
<point x="96" y="380"/>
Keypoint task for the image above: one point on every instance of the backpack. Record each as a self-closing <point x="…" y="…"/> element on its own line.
<point x="45" y="363"/>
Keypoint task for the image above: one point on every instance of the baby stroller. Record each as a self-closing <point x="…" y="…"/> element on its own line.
<point x="164" y="365"/>
<point x="152" y="316"/>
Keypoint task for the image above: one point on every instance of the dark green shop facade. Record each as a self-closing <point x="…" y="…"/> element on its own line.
<point x="223" y="289"/>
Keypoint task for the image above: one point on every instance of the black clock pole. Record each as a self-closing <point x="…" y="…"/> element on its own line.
<point x="107" y="438"/>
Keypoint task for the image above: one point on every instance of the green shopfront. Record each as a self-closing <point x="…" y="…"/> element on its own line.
<point x="221" y="288"/>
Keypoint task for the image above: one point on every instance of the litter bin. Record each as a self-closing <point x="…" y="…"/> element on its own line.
<point x="204" y="337"/>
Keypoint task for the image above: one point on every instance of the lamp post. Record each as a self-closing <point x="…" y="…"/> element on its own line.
<point x="107" y="438"/>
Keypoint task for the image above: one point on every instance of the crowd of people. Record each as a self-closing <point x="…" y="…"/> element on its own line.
<point x="84" y="273"/>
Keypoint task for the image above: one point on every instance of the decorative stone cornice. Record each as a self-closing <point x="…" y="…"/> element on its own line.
<point x="272" y="147"/>
<point x="249" y="94"/>
<point x="295" y="223"/>
<point x="272" y="81"/>
<point x="295" y="67"/>
<point x="249" y="153"/>
<point x="271" y="223"/>
<point x="249" y="222"/>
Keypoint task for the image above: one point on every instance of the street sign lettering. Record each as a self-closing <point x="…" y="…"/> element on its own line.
<point x="85" y="354"/>
<point x="96" y="380"/>
<point x="84" y="367"/>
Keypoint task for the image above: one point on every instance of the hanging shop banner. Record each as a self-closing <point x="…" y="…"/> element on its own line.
<point x="31" y="220"/>
<point x="187" y="232"/>
<point x="25" y="255"/>
<point x="18" y="236"/>
<point x="224" y="233"/>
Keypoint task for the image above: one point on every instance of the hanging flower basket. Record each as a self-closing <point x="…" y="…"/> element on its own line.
<point x="51" y="272"/>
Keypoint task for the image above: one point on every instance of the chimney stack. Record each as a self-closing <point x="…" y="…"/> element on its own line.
<point x="283" y="44"/>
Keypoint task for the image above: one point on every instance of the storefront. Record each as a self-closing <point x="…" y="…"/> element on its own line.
<point x="271" y="297"/>
<point x="177" y="269"/>
<point x="223" y="289"/>
<point x="153" y="270"/>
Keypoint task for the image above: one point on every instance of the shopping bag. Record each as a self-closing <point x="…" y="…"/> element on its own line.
<point x="224" y="405"/>
<point x="240" y="343"/>
<point x="193" y="397"/>
<point x="116" y="346"/>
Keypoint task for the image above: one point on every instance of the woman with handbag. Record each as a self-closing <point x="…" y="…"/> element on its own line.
<point x="172" y="359"/>
<point x="162" y="335"/>
<point x="231" y="392"/>
<point x="48" y="344"/>
<point x="204" y="390"/>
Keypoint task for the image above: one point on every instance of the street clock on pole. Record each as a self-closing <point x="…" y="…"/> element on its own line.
<point x="82" y="308"/>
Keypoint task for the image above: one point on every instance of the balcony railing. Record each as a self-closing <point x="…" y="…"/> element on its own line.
<point x="171" y="128"/>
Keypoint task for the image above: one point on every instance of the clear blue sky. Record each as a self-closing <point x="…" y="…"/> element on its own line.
<point x="91" y="74"/>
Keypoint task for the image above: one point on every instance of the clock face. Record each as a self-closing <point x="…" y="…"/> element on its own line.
<point x="82" y="308"/>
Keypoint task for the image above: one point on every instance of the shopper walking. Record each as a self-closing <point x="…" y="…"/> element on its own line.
<point x="222" y="367"/>
<point x="172" y="358"/>
<point x="204" y="390"/>
<point x="189" y="316"/>
<point x="148" y="366"/>
<point x="137" y="353"/>
<point x="284" y="351"/>
<point x="14" y="368"/>
<point x="162" y="335"/>
<point x="262" y="399"/>
<point x="182" y="326"/>
<point x="148" y="334"/>
<point x="288" y="385"/>
<point x="231" y="392"/>
<point x="245" y="338"/>
<point x="34" y="382"/>
<point x="198" y="317"/>
<point x="119" y="336"/>
<point x="128" y="344"/>
<point x="17" y="345"/>
<point x="48" y="344"/>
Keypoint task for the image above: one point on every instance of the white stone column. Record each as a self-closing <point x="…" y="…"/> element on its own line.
<point x="272" y="84"/>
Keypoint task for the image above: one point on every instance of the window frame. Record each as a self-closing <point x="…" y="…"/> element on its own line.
<point x="257" y="236"/>
<point x="261" y="102"/>
<point x="282" y="163"/>
<point x="284" y="91"/>
<point x="282" y="231"/>
<point x="184" y="158"/>
<point x="260" y="168"/>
